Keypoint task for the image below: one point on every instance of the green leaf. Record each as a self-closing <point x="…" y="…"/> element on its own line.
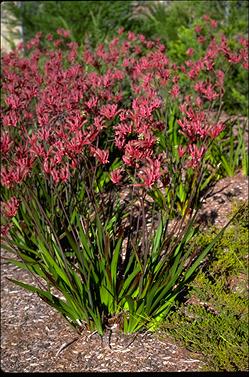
<point x="15" y="222"/>
<point x="34" y="267"/>
<point x="157" y="241"/>
<point x="52" y="265"/>
<point x="100" y="235"/>
<point x="228" y="168"/>
<point x="114" y="262"/>
<point x="181" y="193"/>
<point x="158" y="196"/>
<point x="84" y="240"/>
<point x="128" y="281"/>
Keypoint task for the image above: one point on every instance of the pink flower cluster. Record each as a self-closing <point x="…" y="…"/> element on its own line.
<point x="58" y="106"/>
<point x="61" y="106"/>
<point x="10" y="208"/>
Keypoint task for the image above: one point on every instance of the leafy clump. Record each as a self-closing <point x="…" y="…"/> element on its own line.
<point x="214" y="319"/>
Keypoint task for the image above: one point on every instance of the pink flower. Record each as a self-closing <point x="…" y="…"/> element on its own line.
<point x="198" y="29"/>
<point x="75" y="122"/>
<point x="194" y="124"/>
<point x="98" y="123"/>
<point x="57" y="42"/>
<point x="63" y="33"/>
<point x="10" y="119"/>
<point x="18" y="171"/>
<point x="246" y="65"/>
<point x="205" y="17"/>
<point x="201" y="39"/>
<point x="244" y="41"/>
<point x="209" y="93"/>
<point x="6" y="177"/>
<point x="150" y="174"/>
<point x="77" y="142"/>
<point x="190" y="51"/>
<point x="5" y="143"/>
<point x="47" y="165"/>
<point x="13" y="101"/>
<point x="234" y="58"/>
<point x="131" y="36"/>
<point x="116" y="175"/>
<point x="64" y="173"/>
<point x="136" y="150"/>
<point x="175" y="91"/>
<point x="73" y="164"/>
<point x="11" y="207"/>
<point x="196" y="155"/>
<point x="92" y="103"/>
<point x="220" y="78"/>
<point x="215" y="130"/>
<point x="55" y="175"/>
<point x="121" y="130"/>
<point x="120" y="30"/>
<point x="198" y="102"/>
<point x="101" y="155"/>
<point x="213" y="23"/>
<point x="206" y="90"/>
<point x="181" y="151"/>
<point x="5" y="229"/>
<point x="109" y="111"/>
<point x="49" y="37"/>
<point x="124" y="115"/>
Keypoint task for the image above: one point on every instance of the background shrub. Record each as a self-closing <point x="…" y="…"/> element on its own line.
<point x="214" y="318"/>
<point x="93" y="20"/>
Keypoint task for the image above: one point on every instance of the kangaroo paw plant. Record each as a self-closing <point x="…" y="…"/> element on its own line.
<point x="103" y="161"/>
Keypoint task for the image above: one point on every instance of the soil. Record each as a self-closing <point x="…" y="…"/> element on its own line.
<point x="34" y="338"/>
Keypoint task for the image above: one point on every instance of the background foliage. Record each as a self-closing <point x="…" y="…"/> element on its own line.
<point x="214" y="318"/>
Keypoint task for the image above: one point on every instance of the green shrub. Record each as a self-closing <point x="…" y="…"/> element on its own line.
<point x="214" y="319"/>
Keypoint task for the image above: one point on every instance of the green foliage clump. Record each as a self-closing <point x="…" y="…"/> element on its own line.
<point x="214" y="319"/>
